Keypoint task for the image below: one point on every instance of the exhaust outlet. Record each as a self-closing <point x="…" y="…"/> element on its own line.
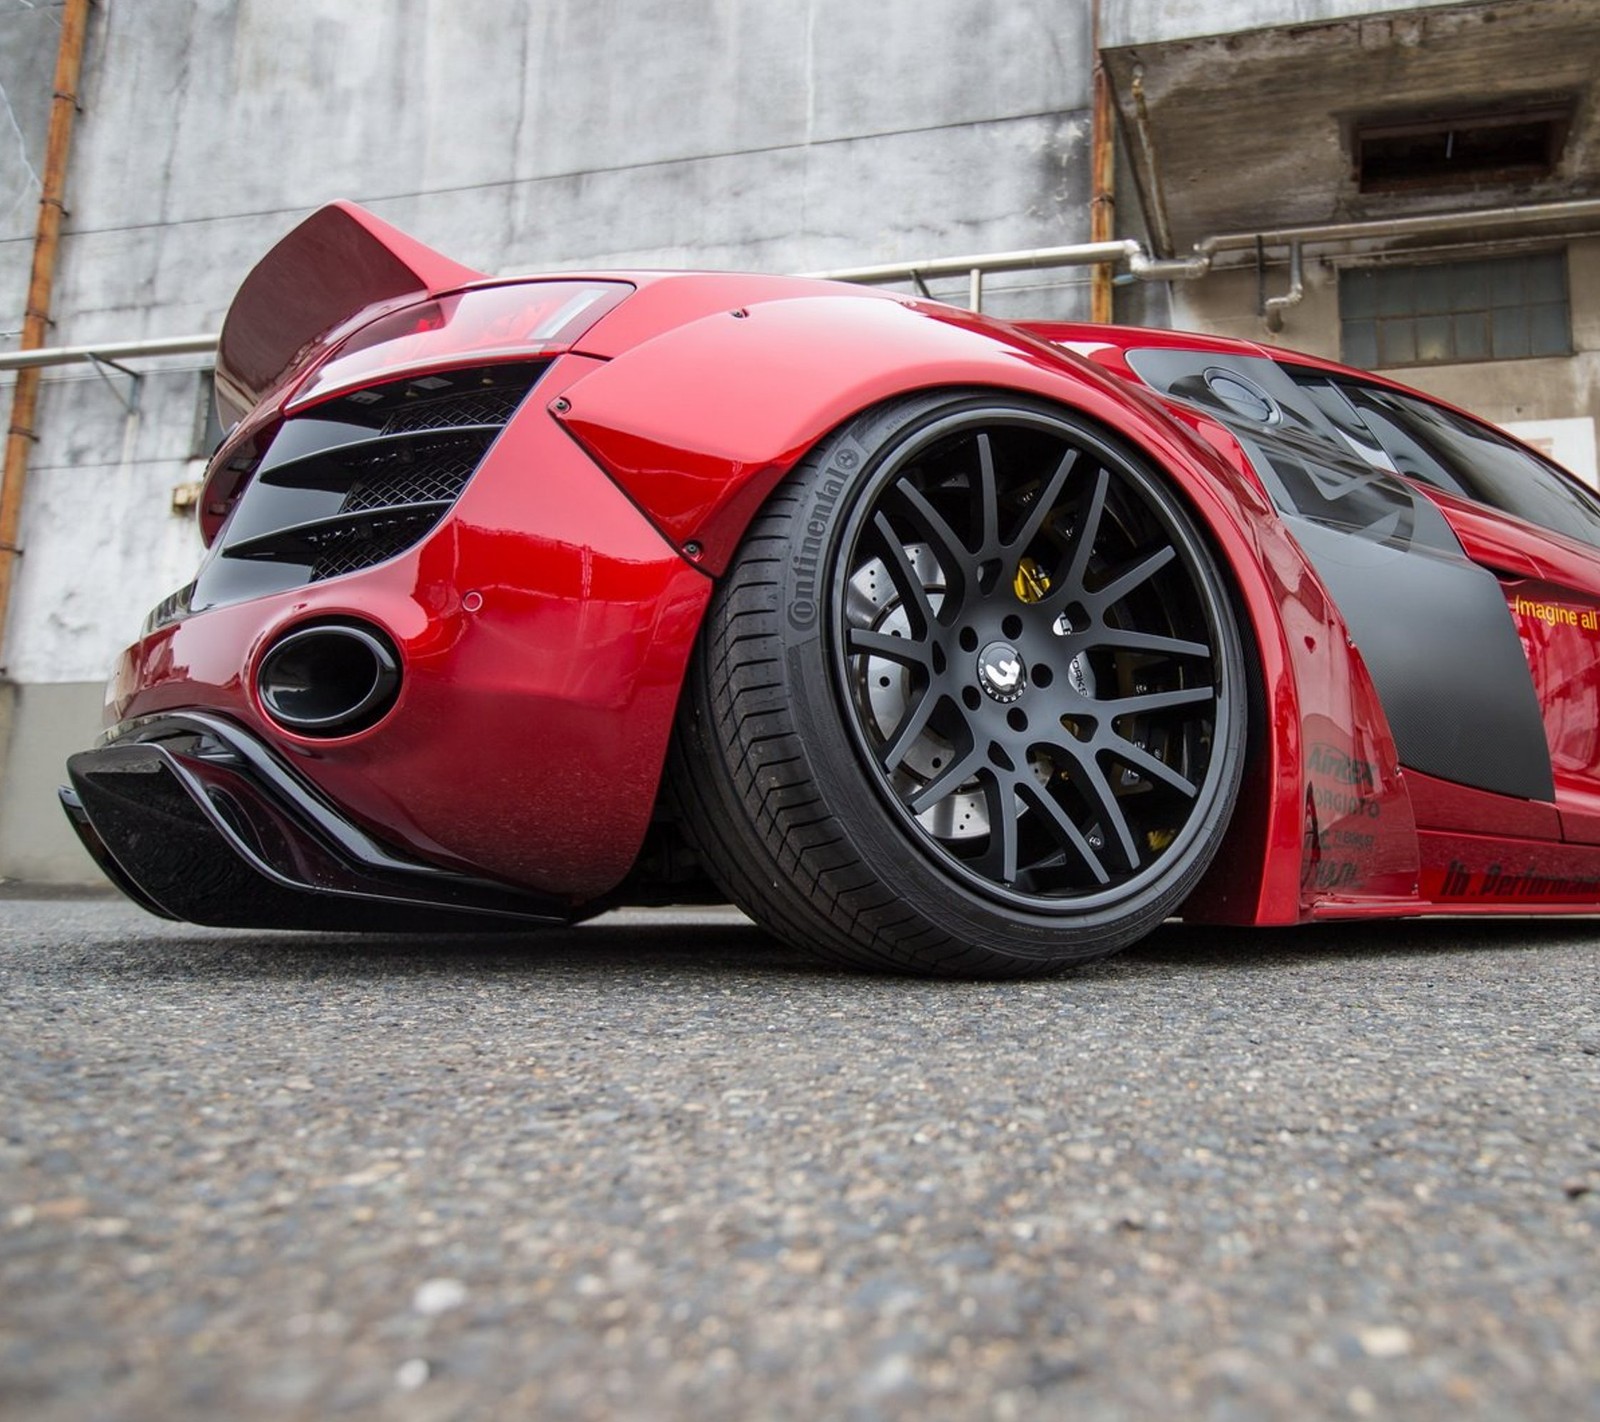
<point x="329" y="679"/>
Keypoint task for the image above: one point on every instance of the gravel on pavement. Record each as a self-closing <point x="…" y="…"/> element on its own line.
<point x="658" y="1167"/>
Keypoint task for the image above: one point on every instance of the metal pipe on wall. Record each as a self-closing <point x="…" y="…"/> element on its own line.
<point x="108" y="351"/>
<point x="1581" y="213"/>
<point x="1160" y="225"/>
<point x="1102" y="170"/>
<point x="36" y="320"/>
<point x="1422" y="225"/>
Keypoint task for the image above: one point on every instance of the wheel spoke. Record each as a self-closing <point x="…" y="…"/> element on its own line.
<point x="993" y="532"/>
<point x="1155" y="701"/>
<point x="1152" y="767"/>
<point x="1083" y="540"/>
<point x="1044" y="503"/>
<point x="1098" y="790"/>
<point x="906" y="734"/>
<point x="988" y="497"/>
<point x="1121" y="639"/>
<point x="1062" y="829"/>
<point x="999" y="861"/>
<point x="946" y="781"/>
<point x="1114" y="591"/>
<point x="913" y="595"/>
<point x="954" y="556"/>
<point x="903" y="651"/>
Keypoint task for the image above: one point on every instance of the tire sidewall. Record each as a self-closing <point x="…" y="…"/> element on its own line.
<point x="828" y="487"/>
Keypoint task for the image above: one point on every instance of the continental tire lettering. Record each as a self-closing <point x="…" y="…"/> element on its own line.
<point x="806" y="562"/>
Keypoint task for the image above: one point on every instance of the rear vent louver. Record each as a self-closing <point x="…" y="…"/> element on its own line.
<point x="359" y="479"/>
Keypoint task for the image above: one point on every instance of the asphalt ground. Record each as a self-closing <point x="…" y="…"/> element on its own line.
<point x="658" y="1167"/>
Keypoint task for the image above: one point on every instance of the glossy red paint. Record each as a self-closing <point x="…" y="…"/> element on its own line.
<point x="1326" y="812"/>
<point x="545" y="625"/>
<point x="513" y="321"/>
<point x="341" y="261"/>
<point x="1507" y="545"/>
<point x="1107" y="346"/>
<point x="1565" y="679"/>
<point x="1560" y="631"/>
<point x="1486" y="873"/>
<point x="493" y="320"/>
<point x="701" y="456"/>
<point x="1441" y="805"/>
<point x="667" y="301"/>
<point x="530" y="732"/>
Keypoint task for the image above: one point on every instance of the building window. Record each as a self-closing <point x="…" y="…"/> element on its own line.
<point x="1499" y="308"/>
<point x="1466" y="150"/>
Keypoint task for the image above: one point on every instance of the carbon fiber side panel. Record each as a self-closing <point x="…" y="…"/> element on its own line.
<point x="1432" y="627"/>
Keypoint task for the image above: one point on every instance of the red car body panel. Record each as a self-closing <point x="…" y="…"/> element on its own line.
<point x="546" y="623"/>
<point x="341" y="262"/>
<point x="702" y="457"/>
<point x="508" y="753"/>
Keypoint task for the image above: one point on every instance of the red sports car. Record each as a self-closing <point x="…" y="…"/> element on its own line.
<point x="933" y="642"/>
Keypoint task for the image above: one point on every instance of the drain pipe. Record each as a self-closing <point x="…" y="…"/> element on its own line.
<point x="1160" y="226"/>
<point x="1206" y="251"/>
<point x="1148" y="268"/>
<point x="1102" y="166"/>
<point x="1423" y="225"/>
<point x="1274" y="306"/>
<point x="36" y="322"/>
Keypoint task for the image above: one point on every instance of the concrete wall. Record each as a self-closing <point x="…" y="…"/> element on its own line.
<point x="514" y="136"/>
<point x="518" y="136"/>
<point x="28" y="35"/>
<point x="1135" y="22"/>
<point x="48" y="721"/>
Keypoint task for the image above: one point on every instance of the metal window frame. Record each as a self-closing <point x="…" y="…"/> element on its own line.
<point x="1388" y="272"/>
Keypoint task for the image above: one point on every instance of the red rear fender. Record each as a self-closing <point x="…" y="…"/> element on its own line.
<point x="699" y="424"/>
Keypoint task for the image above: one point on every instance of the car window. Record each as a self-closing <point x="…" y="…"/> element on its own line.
<point x="1313" y="455"/>
<point x="1436" y="446"/>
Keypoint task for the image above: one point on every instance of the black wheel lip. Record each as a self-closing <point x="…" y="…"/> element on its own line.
<point x="877" y="472"/>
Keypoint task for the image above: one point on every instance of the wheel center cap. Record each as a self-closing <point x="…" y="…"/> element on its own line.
<point x="1000" y="671"/>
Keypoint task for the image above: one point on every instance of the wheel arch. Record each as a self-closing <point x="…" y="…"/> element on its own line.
<point x="699" y="424"/>
<point x="845" y="471"/>
<point x="1257" y="876"/>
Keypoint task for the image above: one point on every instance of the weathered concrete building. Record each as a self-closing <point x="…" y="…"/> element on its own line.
<point x="1412" y="186"/>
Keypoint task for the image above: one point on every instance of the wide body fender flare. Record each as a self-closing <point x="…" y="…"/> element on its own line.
<point x="698" y="424"/>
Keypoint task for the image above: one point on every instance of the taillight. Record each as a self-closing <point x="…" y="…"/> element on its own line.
<point x="514" y="321"/>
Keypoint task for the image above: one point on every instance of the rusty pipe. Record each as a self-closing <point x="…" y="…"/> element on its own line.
<point x="36" y="319"/>
<point x="1102" y="169"/>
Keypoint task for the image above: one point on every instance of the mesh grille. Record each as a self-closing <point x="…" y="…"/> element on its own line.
<point x="384" y="483"/>
<point x="478" y="407"/>
<point x="371" y="474"/>
<point x="350" y="549"/>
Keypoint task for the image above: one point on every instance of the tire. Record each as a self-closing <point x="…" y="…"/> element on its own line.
<point x="970" y="698"/>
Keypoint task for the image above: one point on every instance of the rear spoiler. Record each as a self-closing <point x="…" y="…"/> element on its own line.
<point x="336" y="264"/>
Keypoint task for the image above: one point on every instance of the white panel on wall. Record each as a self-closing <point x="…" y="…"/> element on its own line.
<point x="1569" y="442"/>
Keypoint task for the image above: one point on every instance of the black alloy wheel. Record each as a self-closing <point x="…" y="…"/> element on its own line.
<point x="971" y="697"/>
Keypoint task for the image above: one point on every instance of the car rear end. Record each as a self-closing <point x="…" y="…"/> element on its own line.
<point x="426" y="671"/>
